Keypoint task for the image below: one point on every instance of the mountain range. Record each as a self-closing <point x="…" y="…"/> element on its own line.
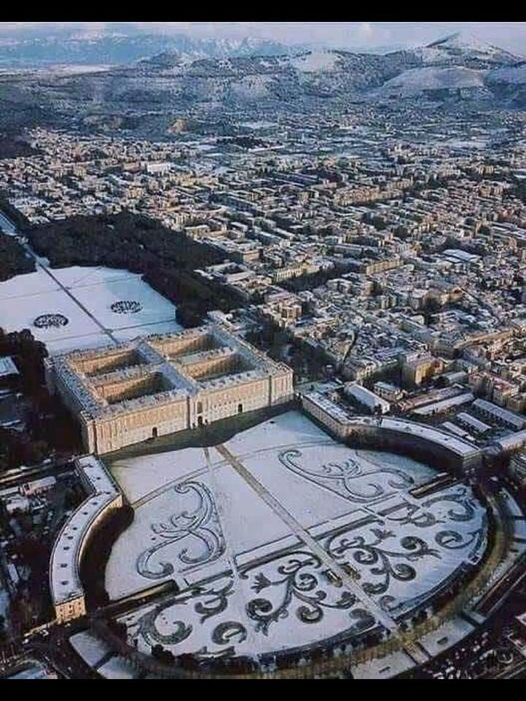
<point x="120" y="49"/>
<point x="453" y="67"/>
<point x="253" y="74"/>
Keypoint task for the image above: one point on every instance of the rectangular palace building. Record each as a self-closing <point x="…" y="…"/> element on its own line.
<point x="156" y="385"/>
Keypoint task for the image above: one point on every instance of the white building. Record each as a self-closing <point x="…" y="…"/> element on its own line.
<point x="67" y="592"/>
<point x="7" y="367"/>
<point x="159" y="385"/>
<point x="371" y="401"/>
<point x="37" y="486"/>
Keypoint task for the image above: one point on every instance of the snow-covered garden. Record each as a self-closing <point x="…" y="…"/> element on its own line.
<point x="249" y="582"/>
<point x="83" y="307"/>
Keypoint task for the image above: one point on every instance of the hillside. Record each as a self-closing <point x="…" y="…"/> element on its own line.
<point x="117" y="49"/>
<point x="452" y="69"/>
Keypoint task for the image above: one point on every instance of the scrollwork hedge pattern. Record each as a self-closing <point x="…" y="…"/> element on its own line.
<point x="394" y="546"/>
<point x="347" y="477"/>
<point x="198" y="531"/>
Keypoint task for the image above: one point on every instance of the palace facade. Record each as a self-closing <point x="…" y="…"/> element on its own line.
<point x="157" y="385"/>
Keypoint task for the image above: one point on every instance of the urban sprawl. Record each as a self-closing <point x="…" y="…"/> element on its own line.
<point x="325" y="475"/>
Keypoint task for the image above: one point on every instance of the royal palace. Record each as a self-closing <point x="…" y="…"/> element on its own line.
<point x="156" y="385"/>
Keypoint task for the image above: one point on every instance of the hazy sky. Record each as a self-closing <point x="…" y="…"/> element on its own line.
<point x="508" y="35"/>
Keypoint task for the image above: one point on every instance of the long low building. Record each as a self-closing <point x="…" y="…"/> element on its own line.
<point x="513" y="441"/>
<point x="422" y="442"/>
<point x="363" y="396"/>
<point x="444" y="405"/>
<point x="503" y="417"/>
<point x="67" y="592"/>
<point x="157" y="385"/>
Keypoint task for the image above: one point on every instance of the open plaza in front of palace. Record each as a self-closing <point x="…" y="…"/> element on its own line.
<point x="251" y="530"/>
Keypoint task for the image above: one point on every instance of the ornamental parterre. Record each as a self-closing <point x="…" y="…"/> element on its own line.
<point x="50" y="321"/>
<point x="126" y="306"/>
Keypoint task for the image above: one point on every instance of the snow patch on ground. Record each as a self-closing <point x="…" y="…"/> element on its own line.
<point x="315" y="61"/>
<point x="417" y="80"/>
<point x="512" y="74"/>
<point x="90" y="648"/>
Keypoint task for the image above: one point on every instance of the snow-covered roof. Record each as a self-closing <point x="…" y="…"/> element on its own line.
<point x="64" y="576"/>
<point x="154" y="357"/>
<point x="430" y="433"/>
<point x="7" y="366"/>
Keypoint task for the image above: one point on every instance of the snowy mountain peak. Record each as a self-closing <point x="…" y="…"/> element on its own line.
<point x="467" y="47"/>
<point x="166" y="59"/>
<point x="459" y="40"/>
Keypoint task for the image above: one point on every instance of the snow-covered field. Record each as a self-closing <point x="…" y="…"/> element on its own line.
<point x="416" y="80"/>
<point x="24" y="313"/>
<point x="98" y="299"/>
<point x="27" y="286"/>
<point x="247" y="578"/>
<point x="80" y="307"/>
<point x="91" y="649"/>
<point x="315" y="61"/>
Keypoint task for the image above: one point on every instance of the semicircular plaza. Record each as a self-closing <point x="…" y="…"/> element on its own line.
<point x="283" y="539"/>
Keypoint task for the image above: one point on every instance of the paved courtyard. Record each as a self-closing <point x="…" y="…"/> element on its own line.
<point x="249" y="530"/>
